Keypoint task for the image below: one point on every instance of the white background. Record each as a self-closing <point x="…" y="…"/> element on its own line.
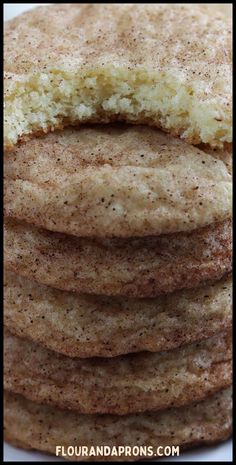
<point x="222" y="452"/>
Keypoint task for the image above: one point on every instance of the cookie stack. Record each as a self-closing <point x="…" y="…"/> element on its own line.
<point x="117" y="236"/>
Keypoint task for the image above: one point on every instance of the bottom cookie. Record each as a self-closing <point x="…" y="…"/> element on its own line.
<point x="34" y="426"/>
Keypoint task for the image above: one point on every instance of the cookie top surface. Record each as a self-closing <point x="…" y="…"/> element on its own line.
<point x="116" y="180"/>
<point x="119" y="385"/>
<point x="137" y="267"/>
<point x="41" y="427"/>
<point x="85" y="326"/>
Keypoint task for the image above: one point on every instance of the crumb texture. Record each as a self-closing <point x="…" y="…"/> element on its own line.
<point x="152" y="64"/>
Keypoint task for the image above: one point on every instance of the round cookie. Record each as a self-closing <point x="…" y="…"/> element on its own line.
<point x="119" y="385"/>
<point x="137" y="267"/>
<point x="115" y="181"/>
<point x="32" y="426"/>
<point x="167" y="65"/>
<point x="87" y="326"/>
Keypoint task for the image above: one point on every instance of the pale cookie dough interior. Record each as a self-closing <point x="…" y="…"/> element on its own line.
<point x="152" y="64"/>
